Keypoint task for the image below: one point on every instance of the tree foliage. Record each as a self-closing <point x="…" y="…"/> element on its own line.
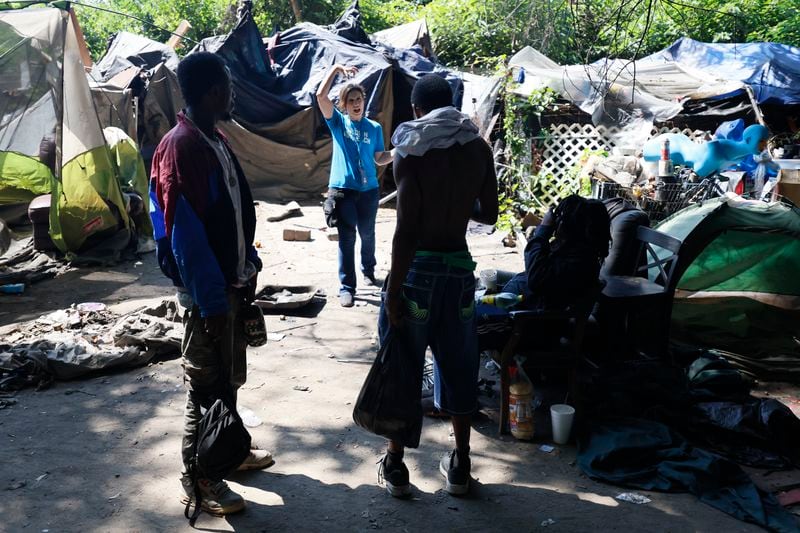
<point x="468" y="32"/>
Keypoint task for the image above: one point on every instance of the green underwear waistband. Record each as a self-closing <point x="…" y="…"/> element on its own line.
<point x="460" y="259"/>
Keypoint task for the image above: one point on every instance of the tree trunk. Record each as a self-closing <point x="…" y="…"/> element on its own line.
<point x="298" y="15"/>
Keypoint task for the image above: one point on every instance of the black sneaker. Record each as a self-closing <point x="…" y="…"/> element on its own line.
<point x="395" y="480"/>
<point x="456" y="473"/>
<point x="372" y="280"/>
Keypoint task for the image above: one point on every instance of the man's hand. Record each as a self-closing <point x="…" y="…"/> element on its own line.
<point x="215" y="325"/>
<point x="394" y="309"/>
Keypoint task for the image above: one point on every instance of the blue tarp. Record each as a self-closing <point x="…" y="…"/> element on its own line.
<point x="772" y="70"/>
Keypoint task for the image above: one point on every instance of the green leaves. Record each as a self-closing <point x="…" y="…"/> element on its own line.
<point x="466" y="32"/>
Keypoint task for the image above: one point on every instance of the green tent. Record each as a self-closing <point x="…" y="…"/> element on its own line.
<point x="737" y="286"/>
<point x="44" y="92"/>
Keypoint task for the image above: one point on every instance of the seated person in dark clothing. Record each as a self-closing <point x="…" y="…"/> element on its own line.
<point x="558" y="272"/>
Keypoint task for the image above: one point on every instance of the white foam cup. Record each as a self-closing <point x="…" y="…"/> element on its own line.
<point x="489" y="279"/>
<point x="561" y="416"/>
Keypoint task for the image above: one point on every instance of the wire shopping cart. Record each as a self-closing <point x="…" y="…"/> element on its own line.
<point x="662" y="199"/>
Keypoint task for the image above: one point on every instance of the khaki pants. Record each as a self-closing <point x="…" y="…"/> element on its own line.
<point x="205" y="361"/>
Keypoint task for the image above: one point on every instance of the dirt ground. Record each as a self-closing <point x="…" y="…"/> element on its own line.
<point x="102" y="454"/>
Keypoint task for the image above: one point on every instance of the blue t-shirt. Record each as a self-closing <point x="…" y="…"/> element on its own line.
<point x="354" y="141"/>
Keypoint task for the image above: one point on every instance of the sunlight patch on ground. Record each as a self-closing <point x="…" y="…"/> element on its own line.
<point x="254" y="495"/>
<point x="585" y="496"/>
<point x="596" y="498"/>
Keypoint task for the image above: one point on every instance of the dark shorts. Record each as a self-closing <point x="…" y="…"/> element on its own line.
<point x="439" y="312"/>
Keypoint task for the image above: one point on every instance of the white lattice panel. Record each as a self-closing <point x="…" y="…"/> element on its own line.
<point x="563" y="146"/>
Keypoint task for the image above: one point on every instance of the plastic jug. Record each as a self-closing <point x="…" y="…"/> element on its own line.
<point x="520" y="403"/>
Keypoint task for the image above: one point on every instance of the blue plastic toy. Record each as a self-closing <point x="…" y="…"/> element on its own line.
<point x="711" y="156"/>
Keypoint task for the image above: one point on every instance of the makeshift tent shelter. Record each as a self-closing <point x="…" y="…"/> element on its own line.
<point x="737" y="288"/>
<point x="128" y="50"/>
<point x="771" y="70"/>
<point x="632" y="95"/>
<point x="618" y="104"/>
<point x="407" y="35"/>
<point x="278" y="133"/>
<point x="137" y="67"/>
<point x="45" y="90"/>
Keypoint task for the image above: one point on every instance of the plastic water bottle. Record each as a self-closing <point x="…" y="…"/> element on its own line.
<point x="503" y="300"/>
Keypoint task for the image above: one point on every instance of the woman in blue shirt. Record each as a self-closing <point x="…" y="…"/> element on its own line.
<point x="357" y="151"/>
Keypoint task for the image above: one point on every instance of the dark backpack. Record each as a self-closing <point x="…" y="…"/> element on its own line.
<point x="222" y="445"/>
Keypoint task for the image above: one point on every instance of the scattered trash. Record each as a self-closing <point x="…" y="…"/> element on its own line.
<point x="72" y="342"/>
<point x="290" y="210"/>
<point x="548" y="522"/>
<point x="301" y="388"/>
<point x="12" y="288"/>
<point x="295" y="327"/>
<point x="249" y="418"/>
<point x="16" y="485"/>
<point x="275" y="337"/>
<point x="510" y="240"/>
<point x="7" y="402"/>
<point x="115" y="496"/>
<point x="87" y="307"/>
<point x="633" y="497"/>
<point x="365" y="514"/>
<point x="546" y="448"/>
<point x="285" y="296"/>
<point x="77" y="391"/>
<point x="38" y="479"/>
<point x="452" y="508"/>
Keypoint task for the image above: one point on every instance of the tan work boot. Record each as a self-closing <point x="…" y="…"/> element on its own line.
<point x="216" y="498"/>
<point x="257" y="460"/>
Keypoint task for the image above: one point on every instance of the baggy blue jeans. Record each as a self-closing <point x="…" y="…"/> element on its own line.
<point x="356" y="212"/>
<point x="439" y="311"/>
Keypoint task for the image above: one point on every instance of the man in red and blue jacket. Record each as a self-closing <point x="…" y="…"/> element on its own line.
<point x="204" y="223"/>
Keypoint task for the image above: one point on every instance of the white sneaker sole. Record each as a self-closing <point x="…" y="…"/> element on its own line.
<point x="452" y="488"/>
<point x="397" y="491"/>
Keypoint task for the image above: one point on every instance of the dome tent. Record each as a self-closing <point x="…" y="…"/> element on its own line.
<point x="737" y="287"/>
<point x="45" y="92"/>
